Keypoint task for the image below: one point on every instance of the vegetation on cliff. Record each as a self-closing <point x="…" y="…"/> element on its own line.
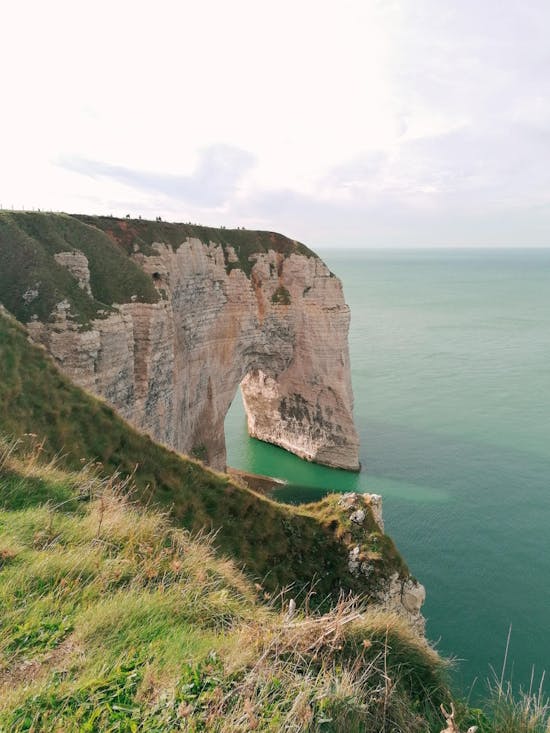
<point x="32" y="283"/>
<point x="114" y="619"/>
<point x="139" y="234"/>
<point x="281" y="296"/>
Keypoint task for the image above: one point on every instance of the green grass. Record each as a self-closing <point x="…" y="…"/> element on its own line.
<point x="28" y="242"/>
<point x="115" y="620"/>
<point x="281" y="296"/>
<point x="139" y="234"/>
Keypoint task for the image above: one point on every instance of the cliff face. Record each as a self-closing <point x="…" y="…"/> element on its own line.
<point x="273" y="320"/>
<point x="396" y="589"/>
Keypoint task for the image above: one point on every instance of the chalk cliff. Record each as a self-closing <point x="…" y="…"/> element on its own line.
<point x="396" y="589"/>
<point x="260" y="311"/>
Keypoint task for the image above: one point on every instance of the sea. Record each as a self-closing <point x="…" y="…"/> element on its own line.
<point x="450" y="355"/>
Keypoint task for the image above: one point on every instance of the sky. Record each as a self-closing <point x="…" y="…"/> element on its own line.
<point x="346" y="123"/>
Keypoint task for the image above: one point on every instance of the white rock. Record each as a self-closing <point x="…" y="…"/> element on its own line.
<point x="172" y="368"/>
<point x="77" y="263"/>
<point x="358" y="517"/>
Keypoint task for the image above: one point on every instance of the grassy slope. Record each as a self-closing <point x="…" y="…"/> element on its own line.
<point x="113" y="620"/>
<point x="28" y="242"/>
<point x="279" y="544"/>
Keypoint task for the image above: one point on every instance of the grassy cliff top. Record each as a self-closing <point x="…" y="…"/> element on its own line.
<point x="32" y="283"/>
<point x="139" y="234"/>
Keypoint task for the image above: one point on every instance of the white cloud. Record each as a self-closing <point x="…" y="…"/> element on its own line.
<point x="213" y="183"/>
<point x="396" y="122"/>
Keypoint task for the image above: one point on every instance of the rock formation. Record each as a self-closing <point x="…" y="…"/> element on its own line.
<point x="397" y="591"/>
<point x="77" y="264"/>
<point x="275" y="323"/>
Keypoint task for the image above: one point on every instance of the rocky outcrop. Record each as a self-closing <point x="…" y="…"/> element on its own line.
<point x="396" y="590"/>
<point x="276" y="324"/>
<point x="77" y="264"/>
<point x="406" y="596"/>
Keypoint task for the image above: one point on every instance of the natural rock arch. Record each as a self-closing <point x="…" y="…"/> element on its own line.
<point x="290" y="358"/>
<point x="277" y="326"/>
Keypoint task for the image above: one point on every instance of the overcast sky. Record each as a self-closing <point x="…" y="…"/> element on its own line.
<point x="343" y="123"/>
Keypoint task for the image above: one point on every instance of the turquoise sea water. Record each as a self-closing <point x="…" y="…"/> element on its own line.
<point x="450" y="354"/>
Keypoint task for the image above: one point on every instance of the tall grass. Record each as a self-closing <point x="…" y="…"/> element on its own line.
<point x="508" y="710"/>
<point x="114" y="619"/>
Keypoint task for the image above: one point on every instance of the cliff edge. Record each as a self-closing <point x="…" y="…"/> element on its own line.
<point x="336" y="546"/>
<point x="165" y="321"/>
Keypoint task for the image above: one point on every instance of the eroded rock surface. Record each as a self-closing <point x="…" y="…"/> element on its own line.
<point x="172" y="368"/>
<point x="77" y="264"/>
<point x="397" y="590"/>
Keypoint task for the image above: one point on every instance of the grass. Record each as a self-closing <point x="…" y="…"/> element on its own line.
<point x="281" y="296"/>
<point x="528" y="712"/>
<point x="509" y="711"/>
<point x="115" y="620"/>
<point x="28" y="241"/>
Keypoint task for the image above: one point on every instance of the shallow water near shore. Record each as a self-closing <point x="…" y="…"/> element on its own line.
<point x="450" y="354"/>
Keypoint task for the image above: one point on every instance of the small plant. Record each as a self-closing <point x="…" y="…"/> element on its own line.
<point x="200" y="452"/>
<point x="281" y="296"/>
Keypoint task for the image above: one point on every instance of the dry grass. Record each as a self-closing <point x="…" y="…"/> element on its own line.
<point x="115" y="618"/>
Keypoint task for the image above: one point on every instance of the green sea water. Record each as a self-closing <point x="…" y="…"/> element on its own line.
<point x="450" y="354"/>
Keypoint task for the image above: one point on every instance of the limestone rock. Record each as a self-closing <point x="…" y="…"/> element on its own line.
<point x="358" y="516"/>
<point x="172" y="368"/>
<point x="355" y="502"/>
<point x="375" y="504"/>
<point x="413" y="596"/>
<point x="400" y="593"/>
<point x="406" y="596"/>
<point x="77" y="264"/>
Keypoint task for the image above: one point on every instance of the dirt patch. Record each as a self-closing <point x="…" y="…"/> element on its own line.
<point x="27" y="671"/>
